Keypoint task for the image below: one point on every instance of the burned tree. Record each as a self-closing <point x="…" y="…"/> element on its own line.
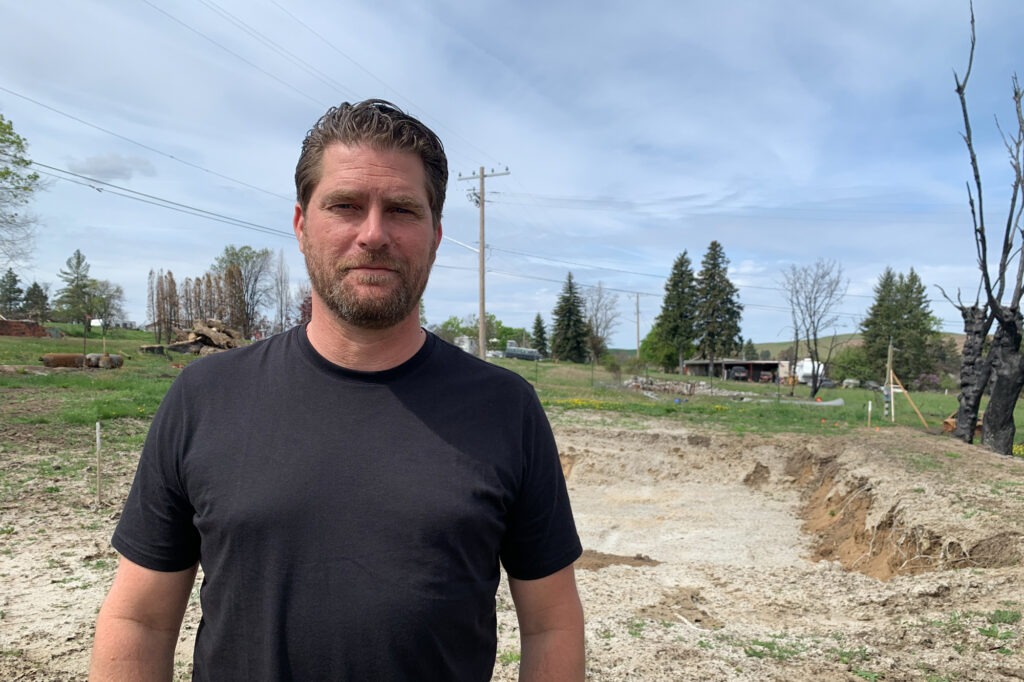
<point x="999" y="297"/>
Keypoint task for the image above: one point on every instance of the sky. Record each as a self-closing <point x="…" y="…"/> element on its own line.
<point x="788" y="131"/>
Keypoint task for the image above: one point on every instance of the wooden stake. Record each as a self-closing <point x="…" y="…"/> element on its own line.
<point x="909" y="400"/>
<point x="99" y="475"/>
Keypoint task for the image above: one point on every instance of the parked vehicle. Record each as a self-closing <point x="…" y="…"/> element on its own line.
<point x="513" y="350"/>
<point x="805" y="370"/>
<point x="738" y="374"/>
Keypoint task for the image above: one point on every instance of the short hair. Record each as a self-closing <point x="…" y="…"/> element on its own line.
<point x="379" y="125"/>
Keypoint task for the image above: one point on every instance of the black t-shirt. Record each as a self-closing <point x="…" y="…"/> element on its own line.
<point x="349" y="524"/>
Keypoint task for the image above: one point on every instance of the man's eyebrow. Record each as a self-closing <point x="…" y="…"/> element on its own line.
<point x="338" y="196"/>
<point x="406" y="201"/>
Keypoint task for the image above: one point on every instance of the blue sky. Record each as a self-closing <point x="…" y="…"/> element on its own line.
<point x="785" y="130"/>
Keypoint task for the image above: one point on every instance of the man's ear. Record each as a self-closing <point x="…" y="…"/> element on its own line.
<point x="299" y="224"/>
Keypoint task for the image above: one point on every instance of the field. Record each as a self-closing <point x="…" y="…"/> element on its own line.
<point x="731" y="533"/>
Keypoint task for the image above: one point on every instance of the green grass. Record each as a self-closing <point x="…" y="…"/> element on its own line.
<point x="776" y="648"/>
<point x="765" y="407"/>
<point x="134" y="391"/>
<point x="509" y="657"/>
<point x="1003" y="617"/>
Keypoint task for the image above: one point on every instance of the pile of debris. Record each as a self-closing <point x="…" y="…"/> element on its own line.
<point x="205" y="337"/>
<point x="649" y="385"/>
<point x="652" y="387"/>
<point x="21" y="328"/>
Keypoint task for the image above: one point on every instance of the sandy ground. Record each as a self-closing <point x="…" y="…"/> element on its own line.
<point x="887" y="555"/>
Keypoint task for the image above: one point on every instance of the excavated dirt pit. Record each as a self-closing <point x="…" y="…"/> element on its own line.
<point x="888" y="555"/>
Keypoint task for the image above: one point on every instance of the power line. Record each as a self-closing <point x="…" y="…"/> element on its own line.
<point x="573" y="263"/>
<point x="439" y="124"/>
<point x="143" y="145"/>
<point x="233" y="53"/>
<point x="117" y="190"/>
<point x="276" y="47"/>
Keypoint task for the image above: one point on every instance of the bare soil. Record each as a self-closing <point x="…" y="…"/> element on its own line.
<point x="874" y="555"/>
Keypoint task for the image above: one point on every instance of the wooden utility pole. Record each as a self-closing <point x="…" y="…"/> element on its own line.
<point x="478" y="199"/>
<point x="638" y="326"/>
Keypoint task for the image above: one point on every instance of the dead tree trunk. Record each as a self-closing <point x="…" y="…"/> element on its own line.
<point x="1002" y="293"/>
<point x="975" y="370"/>
<point x="998" y="428"/>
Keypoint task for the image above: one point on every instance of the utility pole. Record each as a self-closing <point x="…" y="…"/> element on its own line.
<point x="638" y="326"/>
<point x="478" y="199"/>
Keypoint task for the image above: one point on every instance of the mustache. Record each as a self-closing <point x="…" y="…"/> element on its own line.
<point x="376" y="261"/>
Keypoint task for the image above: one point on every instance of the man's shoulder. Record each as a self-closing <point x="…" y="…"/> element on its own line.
<point x="271" y="349"/>
<point x="463" y="364"/>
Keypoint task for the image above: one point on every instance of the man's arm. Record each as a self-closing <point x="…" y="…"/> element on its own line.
<point x="550" y="627"/>
<point x="138" y="624"/>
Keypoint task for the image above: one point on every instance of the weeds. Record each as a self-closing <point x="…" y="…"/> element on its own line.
<point x="635" y="627"/>
<point x="848" y="656"/>
<point x="1001" y="617"/>
<point x="994" y="632"/>
<point x="775" y="648"/>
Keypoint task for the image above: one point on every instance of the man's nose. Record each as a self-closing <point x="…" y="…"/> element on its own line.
<point x="373" y="233"/>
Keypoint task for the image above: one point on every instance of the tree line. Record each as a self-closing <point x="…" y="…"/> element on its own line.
<point x="239" y="289"/>
<point x="82" y="299"/>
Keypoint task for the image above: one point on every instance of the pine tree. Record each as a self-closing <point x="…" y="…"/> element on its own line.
<point x="901" y="313"/>
<point x="717" y="323"/>
<point x="570" y="333"/>
<point x="37" y="303"/>
<point x="672" y="336"/>
<point x="540" y="336"/>
<point x="11" y="300"/>
<point x="75" y="299"/>
<point x="749" y="350"/>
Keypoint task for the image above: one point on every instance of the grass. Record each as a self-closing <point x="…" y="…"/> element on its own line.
<point x="1002" y="617"/>
<point x="776" y="648"/>
<point x="83" y="397"/>
<point x="635" y="627"/>
<point x="764" y="407"/>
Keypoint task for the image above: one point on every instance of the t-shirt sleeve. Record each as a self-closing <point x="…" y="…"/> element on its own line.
<point x="156" y="528"/>
<point x="541" y="537"/>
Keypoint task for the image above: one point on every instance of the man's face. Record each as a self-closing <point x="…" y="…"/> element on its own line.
<point x="368" y="236"/>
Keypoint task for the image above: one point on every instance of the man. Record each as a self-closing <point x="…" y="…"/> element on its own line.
<point x="349" y="487"/>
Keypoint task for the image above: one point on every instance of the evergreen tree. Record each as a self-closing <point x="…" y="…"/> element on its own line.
<point x="901" y="313"/>
<point x="717" y="324"/>
<point x="37" y="303"/>
<point x="749" y="350"/>
<point x="570" y="333"/>
<point x="75" y="299"/>
<point x="672" y="336"/>
<point x="540" y="336"/>
<point x="10" y="294"/>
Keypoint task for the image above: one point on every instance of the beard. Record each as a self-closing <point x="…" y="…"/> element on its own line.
<point x="367" y="300"/>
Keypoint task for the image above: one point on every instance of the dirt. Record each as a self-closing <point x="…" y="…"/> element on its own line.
<point x="870" y="555"/>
